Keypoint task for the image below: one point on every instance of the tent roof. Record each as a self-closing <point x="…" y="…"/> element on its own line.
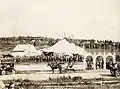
<point x="63" y="46"/>
<point x="24" y="49"/>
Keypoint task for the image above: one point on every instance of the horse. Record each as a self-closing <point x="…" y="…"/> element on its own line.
<point x="55" y="65"/>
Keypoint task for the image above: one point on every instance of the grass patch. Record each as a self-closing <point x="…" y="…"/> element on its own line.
<point x="22" y="72"/>
<point x="64" y="81"/>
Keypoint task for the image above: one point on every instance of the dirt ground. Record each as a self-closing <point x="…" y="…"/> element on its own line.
<point x="44" y="75"/>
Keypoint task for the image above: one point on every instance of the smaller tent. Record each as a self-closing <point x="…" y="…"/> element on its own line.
<point x="24" y="50"/>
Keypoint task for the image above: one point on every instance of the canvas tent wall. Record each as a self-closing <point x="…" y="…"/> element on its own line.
<point x="24" y="50"/>
<point x="39" y="52"/>
<point x="64" y="47"/>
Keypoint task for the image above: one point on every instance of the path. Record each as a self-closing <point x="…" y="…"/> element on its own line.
<point x="45" y="75"/>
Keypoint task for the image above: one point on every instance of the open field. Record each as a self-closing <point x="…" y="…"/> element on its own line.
<point x="42" y="72"/>
<point x="87" y="80"/>
<point x="43" y="66"/>
<point x="40" y="76"/>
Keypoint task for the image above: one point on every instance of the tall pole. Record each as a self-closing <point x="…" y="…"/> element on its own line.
<point x="118" y="48"/>
<point x="89" y="47"/>
<point x="104" y="66"/>
<point x="84" y="60"/>
<point x="109" y="48"/>
<point x="28" y="50"/>
<point x="104" y="48"/>
<point x="100" y="47"/>
<point x="114" y="48"/>
<point x="114" y="53"/>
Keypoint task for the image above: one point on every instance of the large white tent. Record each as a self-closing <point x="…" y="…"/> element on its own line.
<point x="24" y="50"/>
<point x="63" y="46"/>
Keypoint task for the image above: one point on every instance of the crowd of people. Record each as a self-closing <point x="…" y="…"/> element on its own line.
<point x="45" y="57"/>
<point x="48" y="58"/>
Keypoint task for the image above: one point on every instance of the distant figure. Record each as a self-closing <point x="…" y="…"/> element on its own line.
<point x="70" y="64"/>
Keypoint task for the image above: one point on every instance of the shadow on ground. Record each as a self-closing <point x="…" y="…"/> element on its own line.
<point x="106" y="75"/>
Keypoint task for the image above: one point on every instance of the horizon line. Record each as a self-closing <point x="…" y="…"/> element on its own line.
<point x="62" y="38"/>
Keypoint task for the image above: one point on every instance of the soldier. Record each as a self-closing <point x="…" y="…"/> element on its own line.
<point x="70" y="64"/>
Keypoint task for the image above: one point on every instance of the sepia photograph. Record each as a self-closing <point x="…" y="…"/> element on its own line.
<point x="59" y="44"/>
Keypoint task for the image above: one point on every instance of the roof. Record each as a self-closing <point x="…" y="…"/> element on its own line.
<point x="24" y="49"/>
<point x="63" y="46"/>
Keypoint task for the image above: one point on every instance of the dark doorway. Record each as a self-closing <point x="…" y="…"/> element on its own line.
<point x="89" y="61"/>
<point x="109" y="61"/>
<point x="99" y="62"/>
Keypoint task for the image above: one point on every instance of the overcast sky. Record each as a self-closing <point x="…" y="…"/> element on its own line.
<point x="98" y="19"/>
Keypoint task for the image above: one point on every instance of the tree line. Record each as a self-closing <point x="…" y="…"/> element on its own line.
<point x="8" y="43"/>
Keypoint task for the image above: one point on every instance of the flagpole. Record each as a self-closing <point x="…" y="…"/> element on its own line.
<point x="100" y="47"/>
<point x="89" y="47"/>
<point x="104" y="48"/>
